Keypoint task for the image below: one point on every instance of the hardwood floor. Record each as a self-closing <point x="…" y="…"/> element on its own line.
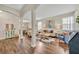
<point x="43" y="48"/>
<point x="12" y="46"/>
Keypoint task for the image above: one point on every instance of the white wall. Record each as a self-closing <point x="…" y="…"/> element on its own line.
<point x="57" y="19"/>
<point x="6" y="18"/>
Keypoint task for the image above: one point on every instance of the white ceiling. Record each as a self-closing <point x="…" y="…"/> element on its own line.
<point x="7" y="17"/>
<point x="50" y="10"/>
<point x="27" y="15"/>
<point x="15" y="6"/>
<point x="47" y="10"/>
<point x="9" y="10"/>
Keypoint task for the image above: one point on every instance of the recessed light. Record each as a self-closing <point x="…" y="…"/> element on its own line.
<point x="1" y="11"/>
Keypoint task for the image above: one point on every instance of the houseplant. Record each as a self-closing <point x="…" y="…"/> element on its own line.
<point x="77" y="19"/>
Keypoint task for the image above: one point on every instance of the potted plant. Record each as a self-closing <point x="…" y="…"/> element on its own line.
<point x="77" y="19"/>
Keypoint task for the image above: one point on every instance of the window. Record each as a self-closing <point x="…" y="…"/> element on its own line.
<point x="68" y="23"/>
<point x="39" y="25"/>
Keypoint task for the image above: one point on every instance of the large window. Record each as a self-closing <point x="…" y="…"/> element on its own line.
<point x="39" y="25"/>
<point x="68" y="23"/>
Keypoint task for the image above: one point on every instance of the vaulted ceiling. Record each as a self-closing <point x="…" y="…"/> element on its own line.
<point x="48" y="10"/>
<point x="42" y="10"/>
<point x="17" y="9"/>
<point x="15" y="6"/>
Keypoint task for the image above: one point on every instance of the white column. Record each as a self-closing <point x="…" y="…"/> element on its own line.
<point x="34" y="29"/>
<point x="20" y="28"/>
<point x="21" y="38"/>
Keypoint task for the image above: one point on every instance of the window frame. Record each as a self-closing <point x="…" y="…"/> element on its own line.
<point x="69" y="25"/>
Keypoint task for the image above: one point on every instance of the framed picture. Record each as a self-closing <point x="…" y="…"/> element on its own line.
<point x="50" y="24"/>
